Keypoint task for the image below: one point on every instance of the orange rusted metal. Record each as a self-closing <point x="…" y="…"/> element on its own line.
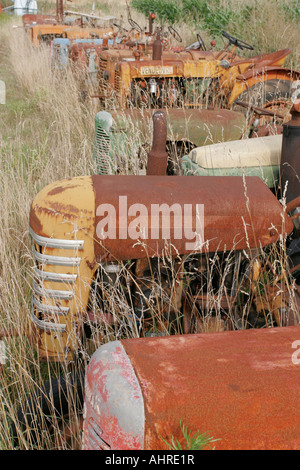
<point x="158" y="157"/>
<point x="31" y="19"/>
<point x="224" y="224"/>
<point x="240" y="387"/>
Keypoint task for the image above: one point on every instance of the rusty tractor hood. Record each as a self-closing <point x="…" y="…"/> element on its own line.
<point x="196" y="126"/>
<point x="115" y="215"/>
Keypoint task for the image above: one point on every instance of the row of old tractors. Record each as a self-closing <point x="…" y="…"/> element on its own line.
<point x="189" y="250"/>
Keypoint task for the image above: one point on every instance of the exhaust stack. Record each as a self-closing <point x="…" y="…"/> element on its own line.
<point x="158" y="157"/>
<point x="290" y="157"/>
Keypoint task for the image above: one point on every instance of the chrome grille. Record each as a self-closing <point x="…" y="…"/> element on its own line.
<point x="102" y="67"/>
<point x="102" y="152"/>
<point x="117" y="81"/>
<point x="44" y="315"/>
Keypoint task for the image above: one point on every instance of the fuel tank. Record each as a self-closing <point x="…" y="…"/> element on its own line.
<point x="124" y="217"/>
<point x="197" y="126"/>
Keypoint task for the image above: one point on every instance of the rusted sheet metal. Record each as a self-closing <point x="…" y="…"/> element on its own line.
<point x="62" y="213"/>
<point x="290" y="161"/>
<point x="197" y="126"/>
<point x="30" y="19"/>
<point x="113" y="391"/>
<point x="241" y="387"/>
<point x="79" y="52"/>
<point x="238" y="213"/>
<point x="262" y="60"/>
<point x="158" y="157"/>
<point x="273" y="71"/>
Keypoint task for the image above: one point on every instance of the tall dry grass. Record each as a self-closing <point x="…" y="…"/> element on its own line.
<point x="46" y="134"/>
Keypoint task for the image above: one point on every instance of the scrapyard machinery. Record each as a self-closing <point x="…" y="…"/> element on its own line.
<point x="126" y="255"/>
<point x="197" y="78"/>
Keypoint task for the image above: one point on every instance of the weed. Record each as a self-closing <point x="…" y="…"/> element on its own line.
<point x="196" y="441"/>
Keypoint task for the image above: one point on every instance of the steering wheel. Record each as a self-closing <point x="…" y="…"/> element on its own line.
<point x="237" y="42"/>
<point x="174" y="33"/>
<point x="134" y="25"/>
<point x="120" y="28"/>
<point x="201" y="42"/>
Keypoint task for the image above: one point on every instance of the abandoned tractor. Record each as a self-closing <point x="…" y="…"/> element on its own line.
<point x="46" y="33"/>
<point x="196" y="78"/>
<point x="123" y="138"/>
<point x="79" y="267"/>
<point x="120" y="256"/>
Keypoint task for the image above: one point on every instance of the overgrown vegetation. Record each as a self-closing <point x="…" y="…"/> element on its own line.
<point x="46" y="134"/>
<point x="196" y="441"/>
<point x="263" y="24"/>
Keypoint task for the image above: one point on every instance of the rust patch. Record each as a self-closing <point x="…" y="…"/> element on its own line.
<point x="247" y="400"/>
<point x="60" y="189"/>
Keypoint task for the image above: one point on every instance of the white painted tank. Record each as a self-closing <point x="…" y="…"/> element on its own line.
<point x="21" y="7"/>
<point x="260" y="151"/>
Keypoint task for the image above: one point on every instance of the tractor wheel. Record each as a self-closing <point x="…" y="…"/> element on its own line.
<point x="273" y="95"/>
<point x="51" y="416"/>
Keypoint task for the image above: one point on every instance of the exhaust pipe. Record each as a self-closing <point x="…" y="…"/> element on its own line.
<point x="158" y="157"/>
<point x="157" y="48"/>
<point x="290" y="161"/>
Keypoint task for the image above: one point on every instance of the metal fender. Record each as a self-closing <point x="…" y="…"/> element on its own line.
<point x="240" y="387"/>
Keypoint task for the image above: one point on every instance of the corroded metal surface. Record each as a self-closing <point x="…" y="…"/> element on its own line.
<point x="197" y="126"/>
<point x="158" y="157"/>
<point x="240" y="387"/>
<point x="238" y="213"/>
<point x="290" y="162"/>
<point x="62" y="223"/>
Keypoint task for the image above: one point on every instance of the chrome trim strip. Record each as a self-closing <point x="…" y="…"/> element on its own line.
<point x="52" y="309"/>
<point x="56" y="260"/>
<point x="56" y="243"/>
<point x="52" y="294"/>
<point x="46" y="325"/>
<point x="55" y="277"/>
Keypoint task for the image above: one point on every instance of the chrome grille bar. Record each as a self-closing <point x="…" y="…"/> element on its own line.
<point x="52" y="309"/>
<point x="46" y="325"/>
<point x="55" y="277"/>
<point x="52" y="294"/>
<point x="56" y="243"/>
<point x="56" y="260"/>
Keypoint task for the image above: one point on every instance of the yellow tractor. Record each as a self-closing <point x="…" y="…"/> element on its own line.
<point x="196" y="78"/>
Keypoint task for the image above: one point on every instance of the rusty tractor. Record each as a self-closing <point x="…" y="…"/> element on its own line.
<point x="122" y="138"/>
<point x="238" y="388"/>
<point x="105" y="256"/>
<point x="46" y="33"/>
<point x="196" y="78"/>
<point x="129" y="256"/>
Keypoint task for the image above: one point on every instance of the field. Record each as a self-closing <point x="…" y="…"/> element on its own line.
<point x="47" y="134"/>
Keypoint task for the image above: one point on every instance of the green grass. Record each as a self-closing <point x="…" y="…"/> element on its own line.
<point x="189" y="441"/>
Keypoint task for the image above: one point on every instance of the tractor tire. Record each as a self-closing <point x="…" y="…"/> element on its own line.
<point x="265" y="92"/>
<point x="274" y="95"/>
<point x="43" y="421"/>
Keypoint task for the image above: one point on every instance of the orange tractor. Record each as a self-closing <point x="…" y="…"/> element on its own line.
<point x="197" y="78"/>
